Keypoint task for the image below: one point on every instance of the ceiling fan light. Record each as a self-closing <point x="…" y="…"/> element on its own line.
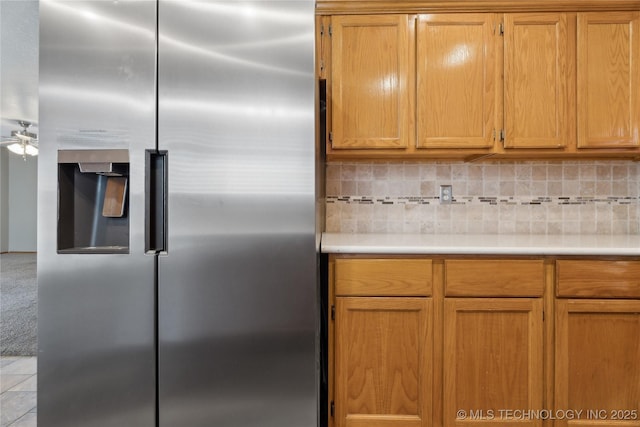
<point x="17" y="148"/>
<point x="31" y="150"/>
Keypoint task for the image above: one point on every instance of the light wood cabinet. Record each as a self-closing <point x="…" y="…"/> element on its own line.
<point x="383" y="362"/>
<point x="370" y="82"/>
<point x="479" y="85"/>
<point x="598" y="341"/>
<point x="494" y="359"/>
<point x="462" y="341"/>
<point x="465" y="62"/>
<point x="598" y="361"/>
<point x="536" y="80"/>
<point x="598" y="278"/>
<point x="494" y="278"/>
<point x="493" y="344"/>
<point x="383" y="277"/>
<point x="383" y="325"/>
<point x="608" y="79"/>
<point x="457" y="80"/>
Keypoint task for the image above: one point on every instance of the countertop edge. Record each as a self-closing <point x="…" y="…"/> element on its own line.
<point x="541" y="245"/>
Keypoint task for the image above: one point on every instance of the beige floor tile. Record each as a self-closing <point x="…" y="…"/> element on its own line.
<point x="14" y="405"/>
<point x="30" y="384"/>
<point x="23" y="366"/>
<point x="9" y="381"/>
<point x="30" y="419"/>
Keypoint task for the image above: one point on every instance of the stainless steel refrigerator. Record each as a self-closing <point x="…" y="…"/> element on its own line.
<point x="177" y="243"/>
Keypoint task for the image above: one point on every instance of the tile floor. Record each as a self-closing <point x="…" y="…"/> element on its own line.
<point x="18" y="392"/>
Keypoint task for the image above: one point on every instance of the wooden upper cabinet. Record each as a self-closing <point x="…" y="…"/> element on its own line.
<point x="370" y="78"/>
<point x="536" y="80"/>
<point x="453" y="85"/>
<point x="456" y="80"/>
<point x="608" y="79"/>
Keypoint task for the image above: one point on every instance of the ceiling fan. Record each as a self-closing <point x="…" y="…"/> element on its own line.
<point x="22" y="142"/>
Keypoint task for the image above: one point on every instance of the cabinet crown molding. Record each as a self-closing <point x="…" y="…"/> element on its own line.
<point x="347" y="7"/>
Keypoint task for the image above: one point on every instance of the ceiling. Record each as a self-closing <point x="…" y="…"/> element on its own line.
<point x="18" y="64"/>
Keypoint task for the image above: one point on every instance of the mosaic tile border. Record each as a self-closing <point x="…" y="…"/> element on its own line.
<point x="488" y="200"/>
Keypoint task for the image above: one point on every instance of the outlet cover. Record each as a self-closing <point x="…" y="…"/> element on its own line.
<point x="446" y="194"/>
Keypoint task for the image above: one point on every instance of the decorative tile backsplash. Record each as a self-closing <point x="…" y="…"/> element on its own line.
<point x="568" y="197"/>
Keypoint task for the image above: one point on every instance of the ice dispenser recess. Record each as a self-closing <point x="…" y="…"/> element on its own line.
<point x="93" y="199"/>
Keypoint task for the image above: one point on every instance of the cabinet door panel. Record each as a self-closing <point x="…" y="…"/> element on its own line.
<point x="536" y="80"/>
<point x="383" y="362"/>
<point x="598" y="361"/>
<point x="370" y="70"/>
<point x="456" y="80"/>
<point x="608" y="79"/>
<point x="493" y="359"/>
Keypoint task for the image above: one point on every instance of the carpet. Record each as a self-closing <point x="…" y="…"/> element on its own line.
<point x="18" y="305"/>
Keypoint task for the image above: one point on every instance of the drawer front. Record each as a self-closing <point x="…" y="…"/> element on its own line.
<point x="383" y="277"/>
<point x="598" y="279"/>
<point x="494" y="278"/>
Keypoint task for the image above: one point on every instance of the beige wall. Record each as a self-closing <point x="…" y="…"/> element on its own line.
<point x="22" y="206"/>
<point x="4" y="200"/>
<point x="19" y="101"/>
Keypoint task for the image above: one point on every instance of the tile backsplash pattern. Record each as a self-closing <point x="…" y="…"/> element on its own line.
<point x="569" y="197"/>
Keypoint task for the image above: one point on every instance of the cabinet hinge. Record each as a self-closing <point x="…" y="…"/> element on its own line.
<point x="502" y="135"/>
<point x="333" y="409"/>
<point x="330" y="31"/>
<point x="333" y="312"/>
<point x="321" y="30"/>
<point x="321" y="65"/>
<point x="331" y="137"/>
<point x="501" y="29"/>
<point x="543" y="315"/>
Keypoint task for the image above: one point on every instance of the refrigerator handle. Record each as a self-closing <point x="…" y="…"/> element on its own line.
<point x="156" y="202"/>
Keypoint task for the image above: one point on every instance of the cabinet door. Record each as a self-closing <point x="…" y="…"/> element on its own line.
<point x="536" y="80"/>
<point x="608" y="79"/>
<point x="493" y="360"/>
<point x="383" y="362"/>
<point x="456" y="80"/>
<point x="370" y="72"/>
<point x="598" y="361"/>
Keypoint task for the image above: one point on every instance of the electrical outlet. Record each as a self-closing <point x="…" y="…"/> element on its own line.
<point x="446" y="194"/>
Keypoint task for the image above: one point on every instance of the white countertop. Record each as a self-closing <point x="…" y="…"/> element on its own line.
<point x="481" y="244"/>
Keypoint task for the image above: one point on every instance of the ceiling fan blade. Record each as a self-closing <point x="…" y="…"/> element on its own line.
<point x="18" y="122"/>
<point x="8" y="141"/>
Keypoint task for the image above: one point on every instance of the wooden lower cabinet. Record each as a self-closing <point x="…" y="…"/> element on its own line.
<point x="383" y="353"/>
<point x="597" y="351"/>
<point x="463" y="342"/>
<point x="493" y="364"/>
<point x="597" y="366"/>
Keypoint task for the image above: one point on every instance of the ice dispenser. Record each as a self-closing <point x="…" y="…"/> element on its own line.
<point x="93" y="201"/>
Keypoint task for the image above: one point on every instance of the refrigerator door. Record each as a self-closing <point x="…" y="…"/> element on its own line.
<point x="237" y="287"/>
<point x="96" y="348"/>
